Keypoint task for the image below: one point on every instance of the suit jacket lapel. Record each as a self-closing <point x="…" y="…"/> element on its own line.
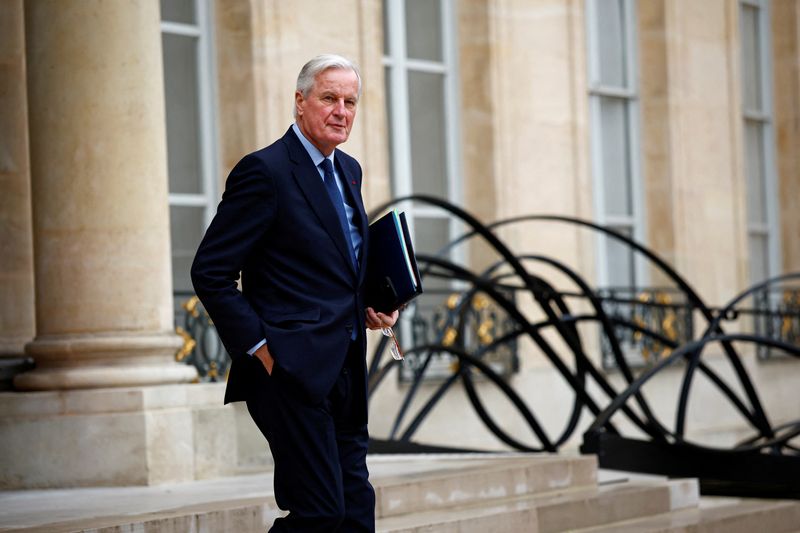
<point x="310" y="183"/>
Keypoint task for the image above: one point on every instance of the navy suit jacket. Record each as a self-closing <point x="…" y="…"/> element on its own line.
<point x="300" y="291"/>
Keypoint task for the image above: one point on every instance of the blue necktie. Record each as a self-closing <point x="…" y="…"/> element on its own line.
<point x="338" y="203"/>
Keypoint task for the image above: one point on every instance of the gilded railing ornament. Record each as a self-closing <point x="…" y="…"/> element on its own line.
<point x="450" y="336"/>
<point x="191" y="306"/>
<point x="188" y="344"/>
<point x="201" y="347"/>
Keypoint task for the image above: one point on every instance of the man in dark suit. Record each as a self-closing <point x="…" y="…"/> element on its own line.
<point x="292" y="222"/>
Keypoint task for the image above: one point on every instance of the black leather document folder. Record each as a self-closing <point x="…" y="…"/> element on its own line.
<point x="392" y="278"/>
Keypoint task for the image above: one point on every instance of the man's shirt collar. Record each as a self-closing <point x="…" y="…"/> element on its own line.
<point x="313" y="151"/>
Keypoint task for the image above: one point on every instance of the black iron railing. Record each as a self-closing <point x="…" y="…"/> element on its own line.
<point x="777" y="316"/>
<point x="675" y="328"/>
<point x="659" y="309"/>
<point x="464" y="320"/>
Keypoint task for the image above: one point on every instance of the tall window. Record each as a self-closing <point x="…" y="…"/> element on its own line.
<point x="422" y="106"/>
<point x="191" y="142"/>
<point x="613" y="104"/>
<point x="762" y="205"/>
<point x="419" y="61"/>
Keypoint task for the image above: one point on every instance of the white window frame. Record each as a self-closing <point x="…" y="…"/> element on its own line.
<point x="398" y="66"/>
<point x="630" y="94"/>
<point x="203" y="31"/>
<point x="763" y="117"/>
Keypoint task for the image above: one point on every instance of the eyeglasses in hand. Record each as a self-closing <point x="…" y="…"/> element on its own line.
<point x="394" y="346"/>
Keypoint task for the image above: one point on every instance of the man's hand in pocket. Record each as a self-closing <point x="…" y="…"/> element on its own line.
<point x="265" y="357"/>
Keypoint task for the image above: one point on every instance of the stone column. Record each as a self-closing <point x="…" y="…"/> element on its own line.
<point x="99" y="187"/>
<point x="16" y="249"/>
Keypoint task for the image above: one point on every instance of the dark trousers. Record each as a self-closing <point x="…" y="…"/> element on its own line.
<point x="320" y="454"/>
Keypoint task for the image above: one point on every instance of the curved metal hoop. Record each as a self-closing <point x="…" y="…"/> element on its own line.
<point x="510" y="274"/>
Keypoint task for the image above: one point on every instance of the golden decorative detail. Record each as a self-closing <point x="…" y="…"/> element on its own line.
<point x="452" y="301"/>
<point x="480" y="302"/>
<point x="791" y="297"/>
<point x="188" y="344"/>
<point x="485" y="332"/>
<point x="668" y="325"/>
<point x="213" y="371"/>
<point x="450" y="335"/>
<point x="786" y="326"/>
<point x="191" y="306"/>
<point x="637" y="335"/>
<point x="646" y="354"/>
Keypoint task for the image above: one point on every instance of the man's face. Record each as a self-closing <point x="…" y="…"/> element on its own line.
<point x="326" y="114"/>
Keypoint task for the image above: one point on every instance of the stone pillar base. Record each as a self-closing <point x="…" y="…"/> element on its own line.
<point x="110" y="360"/>
<point x="13" y="347"/>
<point x="113" y="437"/>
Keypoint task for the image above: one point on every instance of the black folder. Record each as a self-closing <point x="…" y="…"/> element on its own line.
<point x="392" y="278"/>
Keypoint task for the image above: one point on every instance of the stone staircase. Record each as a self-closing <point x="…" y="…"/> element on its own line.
<point x="551" y="494"/>
<point x="456" y="493"/>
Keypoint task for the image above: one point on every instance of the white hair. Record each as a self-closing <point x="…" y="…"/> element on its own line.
<point x="321" y="63"/>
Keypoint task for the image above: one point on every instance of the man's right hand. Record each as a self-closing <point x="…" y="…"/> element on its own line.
<point x="265" y="357"/>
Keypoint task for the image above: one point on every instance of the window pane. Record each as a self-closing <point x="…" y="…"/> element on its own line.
<point x="385" y="12"/>
<point x="428" y="150"/>
<point x="615" y="159"/>
<point x="620" y="261"/>
<point x="186" y="230"/>
<point x="611" y="42"/>
<point x="759" y="257"/>
<point x="751" y="64"/>
<point x="754" y="168"/>
<point x="423" y="29"/>
<point x="183" y="127"/>
<point x="178" y="11"/>
<point x="430" y="236"/>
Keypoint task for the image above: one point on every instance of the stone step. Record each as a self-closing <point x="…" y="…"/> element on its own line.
<point x="548" y="512"/>
<point x="742" y="516"/>
<point x="403" y="484"/>
<point x="457" y="493"/>
<point x="427" y="490"/>
<point x="254" y="518"/>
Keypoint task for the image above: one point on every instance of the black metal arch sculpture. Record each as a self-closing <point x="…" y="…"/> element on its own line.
<point x="767" y="464"/>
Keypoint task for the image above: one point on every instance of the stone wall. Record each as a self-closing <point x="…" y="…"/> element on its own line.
<point x="786" y="76"/>
<point x="261" y="47"/>
<point x="17" y="321"/>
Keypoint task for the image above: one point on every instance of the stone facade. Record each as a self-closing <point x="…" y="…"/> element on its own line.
<point x="17" y="320"/>
<point x="83" y="103"/>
